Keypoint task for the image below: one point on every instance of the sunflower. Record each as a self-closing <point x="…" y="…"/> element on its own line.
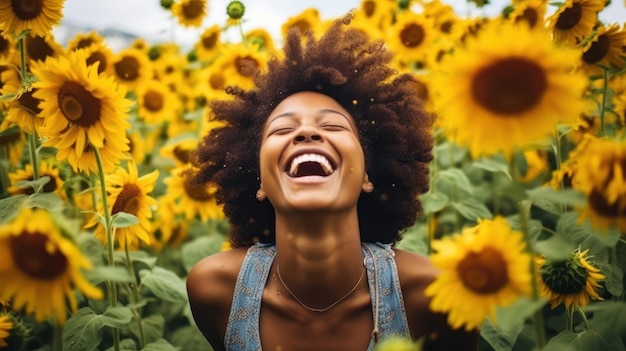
<point x="82" y="110"/>
<point x="601" y="175"/>
<point x="132" y="68"/>
<point x="179" y="150"/>
<point x="54" y="185"/>
<point x="481" y="268"/>
<point x="5" y="329"/>
<point x="190" y="13"/>
<point x="572" y="281"/>
<point x="127" y="192"/>
<point x="37" y="258"/>
<point x="536" y="164"/>
<point x="607" y="48"/>
<point x="495" y="98"/>
<point x="156" y="103"/>
<point x="212" y="82"/>
<point x="192" y="200"/>
<point x="101" y="54"/>
<point x="308" y="19"/>
<point x="531" y="12"/>
<point x="137" y="145"/>
<point x="574" y="20"/>
<point x="380" y="14"/>
<point x="13" y="141"/>
<point x="209" y="43"/>
<point x="260" y="38"/>
<point x="39" y="48"/>
<point x="240" y="63"/>
<point x="7" y="45"/>
<point x="410" y="37"/>
<point x="169" y="229"/>
<point x="38" y="16"/>
<point x="85" y="40"/>
<point x="24" y="110"/>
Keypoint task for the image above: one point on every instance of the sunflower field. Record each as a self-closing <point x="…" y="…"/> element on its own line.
<point x="525" y="217"/>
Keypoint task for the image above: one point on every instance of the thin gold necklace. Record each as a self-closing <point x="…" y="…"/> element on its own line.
<point x="318" y="309"/>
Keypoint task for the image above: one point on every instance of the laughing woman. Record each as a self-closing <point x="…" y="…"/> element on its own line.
<point x="319" y="168"/>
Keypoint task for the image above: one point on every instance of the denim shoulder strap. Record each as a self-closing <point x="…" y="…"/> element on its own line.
<point x="242" y="331"/>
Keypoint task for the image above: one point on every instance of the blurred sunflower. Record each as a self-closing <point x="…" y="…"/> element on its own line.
<point x="212" y="82"/>
<point x="410" y="36"/>
<point x="137" y="145"/>
<point x="569" y="166"/>
<point x="571" y="281"/>
<point x="37" y="258"/>
<point x="156" y="104"/>
<point x="574" y="20"/>
<point x="132" y="68"/>
<point x="260" y="38"/>
<point x="379" y="14"/>
<point x="84" y="40"/>
<point x="54" y="185"/>
<point x="127" y="192"/>
<point x="536" y="164"/>
<point x="81" y="110"/>
<point x="481" y="268"/>
<point x="39" y="48"/>
<point x="607" y="48"/>
<point x="601" y="176"/>
<point x="38" y="16"/>
<point x="24" y="109"/>
<point x="5" y="329"/>
<point x="101" y="54"/>
<point x="7" y="45"/>
<point x="192" y="200"/>
<point x="179" y="150"/>
<point x="239" y="64"/>
<point x="496" y="98"/>
<point x="209" y="43"/>
<point x="169" y="229"/>
<point x="531" y="12"/>
<point x="13" y="141"/>
<point x="308" y="19"/>
<point x="190" y="13"/>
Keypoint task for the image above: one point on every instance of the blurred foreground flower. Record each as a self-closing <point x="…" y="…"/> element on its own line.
<point x="5" y="329"/>
<point x="398" y="344"/>
<point x="128" y="193"/>
<point x="81" y="110"/>
<point x="483" y="267"/>
<point x="40" y="267"/>
<point x="495" y="98"/>
<point x="572" y="281"/>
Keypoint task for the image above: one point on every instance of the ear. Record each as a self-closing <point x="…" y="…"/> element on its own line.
<point x="260" y="195"/>
<point x="367" y="186"/>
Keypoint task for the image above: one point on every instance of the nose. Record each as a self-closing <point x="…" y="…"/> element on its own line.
<point x="307" y="135"/>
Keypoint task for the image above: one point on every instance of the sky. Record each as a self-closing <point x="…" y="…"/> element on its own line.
<point x="146" y="18"/>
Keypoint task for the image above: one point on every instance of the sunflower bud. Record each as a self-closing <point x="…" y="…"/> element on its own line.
<point x="235" y="10"/>
<point x="167" y="4"/>
<point x="18" y="333"/>
<point x="404" y="4"/>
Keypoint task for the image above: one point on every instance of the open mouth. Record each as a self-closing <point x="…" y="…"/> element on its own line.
<point x="310" y="164"/>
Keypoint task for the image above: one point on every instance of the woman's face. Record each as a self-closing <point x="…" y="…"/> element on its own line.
<point x="310" y="157"/>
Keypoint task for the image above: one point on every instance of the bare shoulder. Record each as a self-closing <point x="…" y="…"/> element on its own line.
<point x="416" y="272"/>
<point x="210" y="286"/>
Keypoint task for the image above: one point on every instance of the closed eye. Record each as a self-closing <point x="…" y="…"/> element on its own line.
<point x="334" y="127"/>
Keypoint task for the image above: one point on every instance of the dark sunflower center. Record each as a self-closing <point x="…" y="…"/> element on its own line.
<point x="412" y="35"/>
<point x="98" y="57"/>
<point x="246" y="65"/>
<point x="128" y="200"/>
<point x="197" y="192"/>
<point x="193" y="9"/>
<point x="564" y="277"/>
<point x="37" y="48"/>
<point x="369" y="8"/>
<point x="530" y="16"/>
<point x="84" y="43"/>
<point x="446" y="27"/>
<point x="217" y="81"/>
<point x="29" y="102"/>
<point x="302" y="25"/>
<point x="32" y="254"/>
<point x="509" y="86"/>
<point x="597" y="201"/>
<point x="483" y="272"/>
<point x="570" y="17"/>
<point x="153" y="101"/>
<point x="26" y="9"/>
<point x="4" y="44"/>
<point x="127" y="68"/>
<point x="209" y="41"/>
<point x="182" y="154"/>
<point x="78" y="105"/>
<point x="598" y="50"/>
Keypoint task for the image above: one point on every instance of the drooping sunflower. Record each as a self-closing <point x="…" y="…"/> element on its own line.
<point x="41" y="268"/>
<point x="82" y="110"/>
<point x="607" y="48"/>
<point x="38" y="16"/>
<point x="574" y="20"/>
<point x="127" y="192"/>
<point x="209" y="43"/>
<point x="481" y="268"/>
<point x="192" y="200"/>
<point x="54" y="185"/>
<point x="190" y="13"/>
<point x="5" y="329"/>
<point x="601" y="175"/>
<point x="496" y="98"/>
<point x="571" y="281"/>
<point x="410" y="36"/>
<point x="132" y="68"/>
<point x="24" y="110"/>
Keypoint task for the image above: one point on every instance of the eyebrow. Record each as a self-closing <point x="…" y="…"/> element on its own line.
<point x="321" y="111"/>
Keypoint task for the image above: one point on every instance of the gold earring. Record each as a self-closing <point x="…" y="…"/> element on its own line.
<point x="260" y="195"/>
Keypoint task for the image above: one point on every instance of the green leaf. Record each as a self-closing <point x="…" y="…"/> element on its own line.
<point x="456" y="177"/>
<point x="495" y="165"/>
<point x="100" y="274"/>
<point x="609" y="318"/>
<point x="123" y="220"/>
<point x="164" y="284"/>
<point x="189" y="338"/>
<point x="125" y="345"/>
<point x="585" y="341"/>
<point x="7" y="97"/>
<point x="36" y="185"/>
<point x="472" y="209"/>
<point x="614" y="279"/>
<point x="160" y="345"/>
<point x="434" y="201"/>
<point x="82" y="331"/>
<point x="48" y="201"/>
<point x="414" y="239"/>
<point x="197" y="249"/>
<point x="511" y="318"/>
<point x="117" y="317"/>
<point x="569" y="197"/>
<point x="449" y="154"/>
<point x="153" y="327"/>
<point x="555" y="248"/>
<point x="499" y="339"/>
<point x="10" y="207"/>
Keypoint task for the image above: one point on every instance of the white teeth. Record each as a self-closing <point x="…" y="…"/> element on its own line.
<point x="323" y="161"/>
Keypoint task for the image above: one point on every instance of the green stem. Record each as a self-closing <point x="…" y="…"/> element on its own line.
<point x="22" y="50"/>
<point x="243" y="36"/>
<point x="135" y="294"/>
<point x="32" y="147"/>
<point x="5" y="164"/>
<point x="57" y="338"/>
<point x="584" y="317"/>
<point x="569" y="318"/>
<point x="110" y="242"/>
<point x="605" y="94"/>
